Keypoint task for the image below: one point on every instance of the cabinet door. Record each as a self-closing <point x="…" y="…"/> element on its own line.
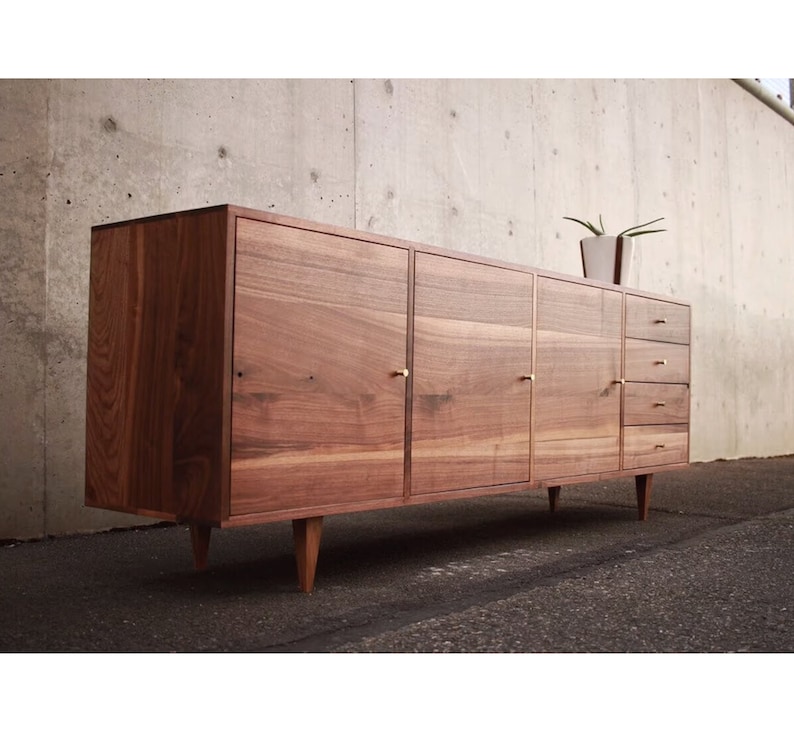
<point x="320" y="332"/>
<point x="472" y="347"/>
<point x="577" y="397"/>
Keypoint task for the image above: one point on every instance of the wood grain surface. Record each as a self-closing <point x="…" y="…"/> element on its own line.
<point x="656" y="320"/>
<point x="158" y="326"/>
<point x="318" y="413"/>
<point x="244" y="368"/>
<point x="648" y="446"/>
<point x="656" y="404"/>
<point x="657" y="362"/>
<point x="577" y="397"/>
<point x="472" y="347"/>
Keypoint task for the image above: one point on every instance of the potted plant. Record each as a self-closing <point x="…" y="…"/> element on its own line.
<point x="609" y="258"/>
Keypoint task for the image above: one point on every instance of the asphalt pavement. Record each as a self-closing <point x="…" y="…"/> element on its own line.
<point x="709" y="572"/>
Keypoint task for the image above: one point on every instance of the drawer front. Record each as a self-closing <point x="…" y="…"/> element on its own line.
<point x="657" y="362"/>
<point x="656" y="320"/>
<point x="656" y="404"/>
<point x="644" y="447"/>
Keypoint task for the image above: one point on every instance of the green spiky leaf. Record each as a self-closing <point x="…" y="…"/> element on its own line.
<point x="631" y="230"/>
<point x="637" y="230"/>
<point x="594" y="229"/>
<point x="648" y="231"/>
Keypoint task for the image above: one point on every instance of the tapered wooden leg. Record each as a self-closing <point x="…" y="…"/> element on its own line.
<point x="307" y="533"/>
<point x="644" y="484"/>
<point x="554" y="495"/>
<point x="200" y="537"/>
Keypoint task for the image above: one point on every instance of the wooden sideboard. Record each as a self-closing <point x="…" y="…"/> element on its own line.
<point x="246" y="367"/>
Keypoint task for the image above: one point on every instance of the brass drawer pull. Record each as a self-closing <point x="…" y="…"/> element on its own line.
<point x="662" y="362"/>
<point x="402" y="372"/>
<point x="661" y="444"/>
<point x="661" y="320"/>
<point x="528" y="377"/>
<point x="659" y="404"/>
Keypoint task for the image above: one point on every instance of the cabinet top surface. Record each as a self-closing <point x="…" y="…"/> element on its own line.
<point x="234" y="211"/>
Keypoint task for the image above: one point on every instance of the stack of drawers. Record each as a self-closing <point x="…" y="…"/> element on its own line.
<point x="656" y="392"/>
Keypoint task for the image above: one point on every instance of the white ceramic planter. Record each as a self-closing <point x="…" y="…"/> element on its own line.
<point x="608" y="258"/>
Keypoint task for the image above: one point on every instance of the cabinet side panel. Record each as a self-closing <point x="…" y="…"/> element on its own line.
<point x="201" y="373"/>
<point x="111" y="302"/>
<point x="155" y="366"/>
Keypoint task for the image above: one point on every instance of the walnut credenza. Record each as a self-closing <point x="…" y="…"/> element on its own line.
<point x="246" y="367"/>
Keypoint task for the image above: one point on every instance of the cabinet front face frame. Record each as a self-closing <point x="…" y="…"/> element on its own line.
<point x="472" y="358"/>
<point x="320" y="336"/>
<point x="577" y="388"/>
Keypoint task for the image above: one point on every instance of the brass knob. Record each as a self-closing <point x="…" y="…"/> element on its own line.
<point x="661" y="444"/>
<point x="659" y="404"/>
<point x="402" y="372"/>
<point x="620" y="381"/>
<point x="661" y="320"/>
<point x="529" y="377"/>
<point x="662" y="362"/>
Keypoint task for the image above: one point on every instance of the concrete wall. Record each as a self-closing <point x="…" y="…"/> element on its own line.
<point x="487" y="167"/>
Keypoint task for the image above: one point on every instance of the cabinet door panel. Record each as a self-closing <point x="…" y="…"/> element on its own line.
<point x="577" y="394"/>
<point x="472" y="346"/>
<point x="318" y="415"/>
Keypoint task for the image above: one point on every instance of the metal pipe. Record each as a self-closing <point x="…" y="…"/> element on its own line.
<point x="767" y="97"/>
